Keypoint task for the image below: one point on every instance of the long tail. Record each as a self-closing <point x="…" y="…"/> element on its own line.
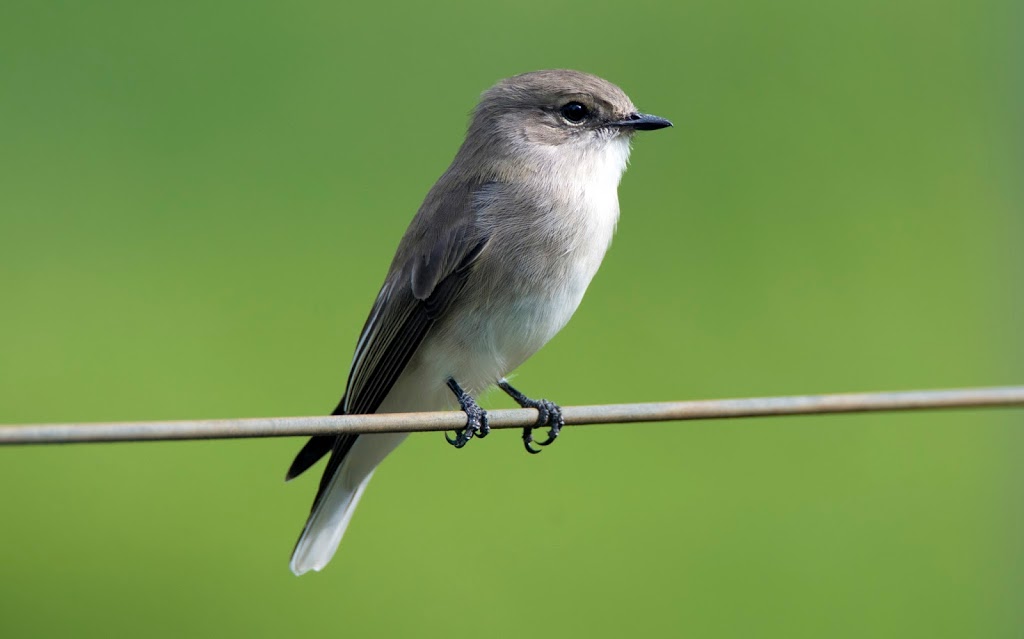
<point x="327" y="522"/>
<point x="348" y="472"/>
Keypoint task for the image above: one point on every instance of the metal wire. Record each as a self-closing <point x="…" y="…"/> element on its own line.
<point x="517" y="418"/>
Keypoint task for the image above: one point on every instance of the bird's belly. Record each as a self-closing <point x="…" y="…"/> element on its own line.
<point x="531" y="320"/>
<point x="483" y="341"/>
<point x="513" y="304"/>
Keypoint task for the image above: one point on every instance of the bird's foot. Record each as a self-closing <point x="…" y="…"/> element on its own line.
<point x="548" y="414"/>
<point x="476" y="418"/>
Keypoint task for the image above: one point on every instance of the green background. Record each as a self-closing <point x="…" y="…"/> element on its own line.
<point x="198" y="202"/>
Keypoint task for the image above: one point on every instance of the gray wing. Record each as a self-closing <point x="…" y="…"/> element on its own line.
<point x="406" y="308"/>
<point x="429" y="271"/>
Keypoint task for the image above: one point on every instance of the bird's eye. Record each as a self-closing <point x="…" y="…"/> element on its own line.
<point x="574" y="112"/>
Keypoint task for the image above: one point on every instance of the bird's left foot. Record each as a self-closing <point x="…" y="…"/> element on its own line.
<point x="548" y="414"/>
<point x="476" y="417"/>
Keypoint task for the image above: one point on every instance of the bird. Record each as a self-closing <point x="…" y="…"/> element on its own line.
<point x="492" y="266"/>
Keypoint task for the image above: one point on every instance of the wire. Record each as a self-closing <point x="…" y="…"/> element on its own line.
<point x="515" y="418"/>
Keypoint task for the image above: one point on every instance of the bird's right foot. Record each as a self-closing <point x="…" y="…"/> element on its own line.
<point x="476" y="417"/>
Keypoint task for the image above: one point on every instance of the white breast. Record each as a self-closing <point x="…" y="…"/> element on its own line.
<point x="544" y="279"/>
<point x="586" y="183"/>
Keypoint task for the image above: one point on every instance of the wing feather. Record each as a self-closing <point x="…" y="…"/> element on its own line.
<point x="438" y="259"/>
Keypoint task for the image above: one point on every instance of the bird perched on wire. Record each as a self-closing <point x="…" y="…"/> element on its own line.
<point x="493" y="265"/>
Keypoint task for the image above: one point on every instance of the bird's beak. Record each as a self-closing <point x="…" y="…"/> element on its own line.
<point x="643" y="122"/>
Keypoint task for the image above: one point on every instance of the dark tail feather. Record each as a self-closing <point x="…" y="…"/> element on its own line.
<point x="310" y="454"/>
<point x="314" y="449"/>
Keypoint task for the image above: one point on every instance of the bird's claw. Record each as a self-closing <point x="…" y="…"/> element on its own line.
<point x="548" y="414"/>
<point x="528" y="439"/>
<point x="461" y="438"/>
<point x="476" y="426"/>
<point x="477" y="423"/>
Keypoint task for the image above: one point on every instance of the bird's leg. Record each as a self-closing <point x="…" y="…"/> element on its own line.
<point x="476" y="417"/>
<point x="548" y="414"/>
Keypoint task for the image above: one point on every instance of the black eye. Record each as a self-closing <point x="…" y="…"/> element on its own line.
<point x="574" y="112"/>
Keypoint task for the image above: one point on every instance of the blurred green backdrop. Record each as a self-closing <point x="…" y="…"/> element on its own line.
<point x="198" y="202"/>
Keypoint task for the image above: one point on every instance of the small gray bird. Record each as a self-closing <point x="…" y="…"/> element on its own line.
<point x="493" y="265"/>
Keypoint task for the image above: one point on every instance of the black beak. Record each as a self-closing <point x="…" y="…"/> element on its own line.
<point x="643" y="122"/>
